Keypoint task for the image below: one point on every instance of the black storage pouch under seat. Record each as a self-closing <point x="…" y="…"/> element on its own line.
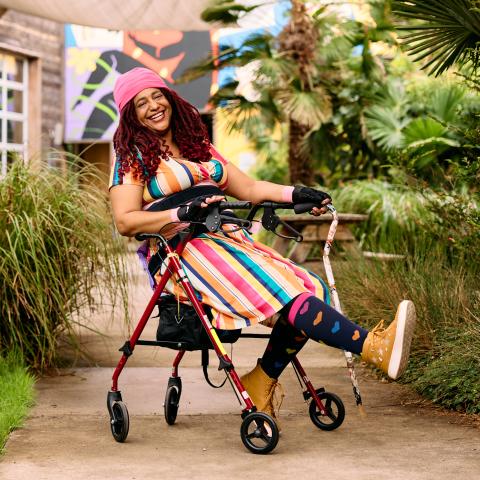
<point x="180" y="324"/>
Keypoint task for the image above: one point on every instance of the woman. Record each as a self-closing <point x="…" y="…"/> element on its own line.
<point x="164" y="175"/>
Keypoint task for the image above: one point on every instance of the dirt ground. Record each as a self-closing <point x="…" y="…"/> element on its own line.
<point x="67" y="435"/>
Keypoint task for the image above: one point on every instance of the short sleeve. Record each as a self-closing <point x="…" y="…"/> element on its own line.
<point x="117" y="178"/>
<point x="218" y="172"/>
<point x="217" y="156"/>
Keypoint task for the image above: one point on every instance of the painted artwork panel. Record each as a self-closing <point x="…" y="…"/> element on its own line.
<point x="91" y="72"/>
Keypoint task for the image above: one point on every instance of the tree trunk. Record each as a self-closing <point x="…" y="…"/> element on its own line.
<point x="298" y="41"/>
<point x="299" y="163"/>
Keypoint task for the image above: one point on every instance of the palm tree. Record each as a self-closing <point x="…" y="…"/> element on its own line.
<point x="309" y="93"/>
<point x="297" y="42"/>
<point x="288" y="87"/>
<point x="447" y="33"/>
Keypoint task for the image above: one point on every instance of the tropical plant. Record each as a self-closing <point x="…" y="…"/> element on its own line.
<point x="426" y="127"/>
<point x="59" y="257"/>
<point x="299" y="93"/>
<point x="444" y="32"/>
<point x="398" y="215"/>
<point x="444" y="363"/>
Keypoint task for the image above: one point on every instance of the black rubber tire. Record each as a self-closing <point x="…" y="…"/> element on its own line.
<point x="254" y="428"/>
<point x="335" y="411"/>
<point x="170" y="407"/>
<point x="120" y="422"/>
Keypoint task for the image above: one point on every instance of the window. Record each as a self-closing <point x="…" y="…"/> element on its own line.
<point x="13" y="109"/>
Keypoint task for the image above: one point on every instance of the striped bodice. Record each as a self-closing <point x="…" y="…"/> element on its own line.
<point x="174" y="175"/>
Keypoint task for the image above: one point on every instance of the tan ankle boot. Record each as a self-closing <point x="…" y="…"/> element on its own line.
<point x="388" y="349"/>
<point x="261" y="389"/>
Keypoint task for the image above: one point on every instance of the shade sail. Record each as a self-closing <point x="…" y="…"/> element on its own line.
<point x="118" y="14"/>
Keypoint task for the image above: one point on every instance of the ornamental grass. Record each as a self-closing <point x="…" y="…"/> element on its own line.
<point x="59" y="257"/>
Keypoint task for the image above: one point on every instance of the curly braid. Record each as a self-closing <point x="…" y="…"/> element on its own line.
<point x="188" y="132"/>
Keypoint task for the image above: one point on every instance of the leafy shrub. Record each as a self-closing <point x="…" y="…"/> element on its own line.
<point x="444" y="365"/>
<point x="398" y="215"/>
<point x="56" y="247"/>
<point x="403" y="219"/>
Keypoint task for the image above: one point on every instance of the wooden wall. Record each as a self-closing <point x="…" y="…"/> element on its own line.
<point x="42" y="41"/>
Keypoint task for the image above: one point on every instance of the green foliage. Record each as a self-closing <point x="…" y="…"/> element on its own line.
<point x="57" y="248"/>
<point x="398" y="215"/>
<point x="285" y="89"/>
<point x="404" y="219"/>
<point x="444" y="364"/>
<point x="16" y="394"/>
<point x="445" y="32"/>
<point x="426" y="130"/>
<point x="439" y="232"/>
<point x="225" y="11"/>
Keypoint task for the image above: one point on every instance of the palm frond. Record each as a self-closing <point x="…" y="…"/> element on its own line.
<point x="248" y="117"/>
<point x="255" y="47"/>
<point x="449" y="32"/>
<point x="445" y="101"/>
<point x="425" y="140"/>
<point x="393" y="96"/>
<point x="225" y="11"/>
<point x="385" y="127"/>
<point x="424" y="128"/>
<point x="274" y="70"/>
<point x="309" y="108"/>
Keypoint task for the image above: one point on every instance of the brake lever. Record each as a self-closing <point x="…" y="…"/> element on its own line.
<point x="270" y="221"/>
<point x="241" y="222"/>
<point x="214" y="221"/>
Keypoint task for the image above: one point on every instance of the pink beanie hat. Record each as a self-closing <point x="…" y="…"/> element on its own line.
<point x="134" y="81"/>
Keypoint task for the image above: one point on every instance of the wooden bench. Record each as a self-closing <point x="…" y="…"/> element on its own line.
<point x="315" y="230"/>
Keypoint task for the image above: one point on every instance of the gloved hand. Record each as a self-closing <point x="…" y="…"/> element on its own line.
<point x="302" y="194"/>
<point x="194" y="211"/>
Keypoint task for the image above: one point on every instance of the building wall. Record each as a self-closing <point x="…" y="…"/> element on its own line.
<point x="42" y="42"/>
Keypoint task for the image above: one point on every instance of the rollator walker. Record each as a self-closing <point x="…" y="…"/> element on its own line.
<point x="259" y="432"/>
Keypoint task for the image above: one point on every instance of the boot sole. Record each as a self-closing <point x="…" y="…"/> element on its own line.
<point x="406" y="319"/>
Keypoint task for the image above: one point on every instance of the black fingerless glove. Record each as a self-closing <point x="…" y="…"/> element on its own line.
<point x="194" y="210"/>
<point x="309" y="195"/>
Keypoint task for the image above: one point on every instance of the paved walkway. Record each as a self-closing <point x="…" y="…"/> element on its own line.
<point x="67" y="435"/>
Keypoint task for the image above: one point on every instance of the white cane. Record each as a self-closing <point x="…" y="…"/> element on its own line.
<point x="336" y="303"/>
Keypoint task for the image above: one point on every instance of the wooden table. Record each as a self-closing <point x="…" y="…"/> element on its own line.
<point x="315" y="230"/>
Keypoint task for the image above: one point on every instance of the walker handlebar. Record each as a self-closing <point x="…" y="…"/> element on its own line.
<point x="218" y="216"/>
<point x="270" y="220"/>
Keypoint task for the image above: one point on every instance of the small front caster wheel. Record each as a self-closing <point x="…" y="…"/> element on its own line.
<point x="334" y="413"/>
<point x="259" y="432"/>
<point x="172" y="399"/>
<point x="120" y="423"/>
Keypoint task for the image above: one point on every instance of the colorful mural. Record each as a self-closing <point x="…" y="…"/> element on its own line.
<point x="95" y="58"/>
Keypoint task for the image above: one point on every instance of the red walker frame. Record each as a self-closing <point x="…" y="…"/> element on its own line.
<point x="118" y="413"/>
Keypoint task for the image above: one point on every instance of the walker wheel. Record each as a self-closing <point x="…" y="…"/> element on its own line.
<point x="334" y="411"/>
<point x="120" y="423"/>
<point x="259" y="432"/>
<point x="172" y="399"/>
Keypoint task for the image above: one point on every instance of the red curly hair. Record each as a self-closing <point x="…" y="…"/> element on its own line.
<point x="188" y="132"/>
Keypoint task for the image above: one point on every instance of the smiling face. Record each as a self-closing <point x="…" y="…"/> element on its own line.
<point x="153" y="110"/>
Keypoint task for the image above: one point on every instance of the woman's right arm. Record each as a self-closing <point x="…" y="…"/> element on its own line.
<point x="129" y="217"/>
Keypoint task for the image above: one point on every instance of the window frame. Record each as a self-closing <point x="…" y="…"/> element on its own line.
<point x="5" y="115"/>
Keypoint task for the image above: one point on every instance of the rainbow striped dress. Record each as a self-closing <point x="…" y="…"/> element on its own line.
<point x="242" y="280"/>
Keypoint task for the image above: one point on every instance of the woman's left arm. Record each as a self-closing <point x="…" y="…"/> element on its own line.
<point x="244" y="187"/>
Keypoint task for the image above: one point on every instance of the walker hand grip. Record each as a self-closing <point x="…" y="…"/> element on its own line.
<point x="235" y="205"/>
<point x="303" y="207"/>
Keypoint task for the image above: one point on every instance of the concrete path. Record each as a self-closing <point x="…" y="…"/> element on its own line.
<point x="67" y="435"/>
